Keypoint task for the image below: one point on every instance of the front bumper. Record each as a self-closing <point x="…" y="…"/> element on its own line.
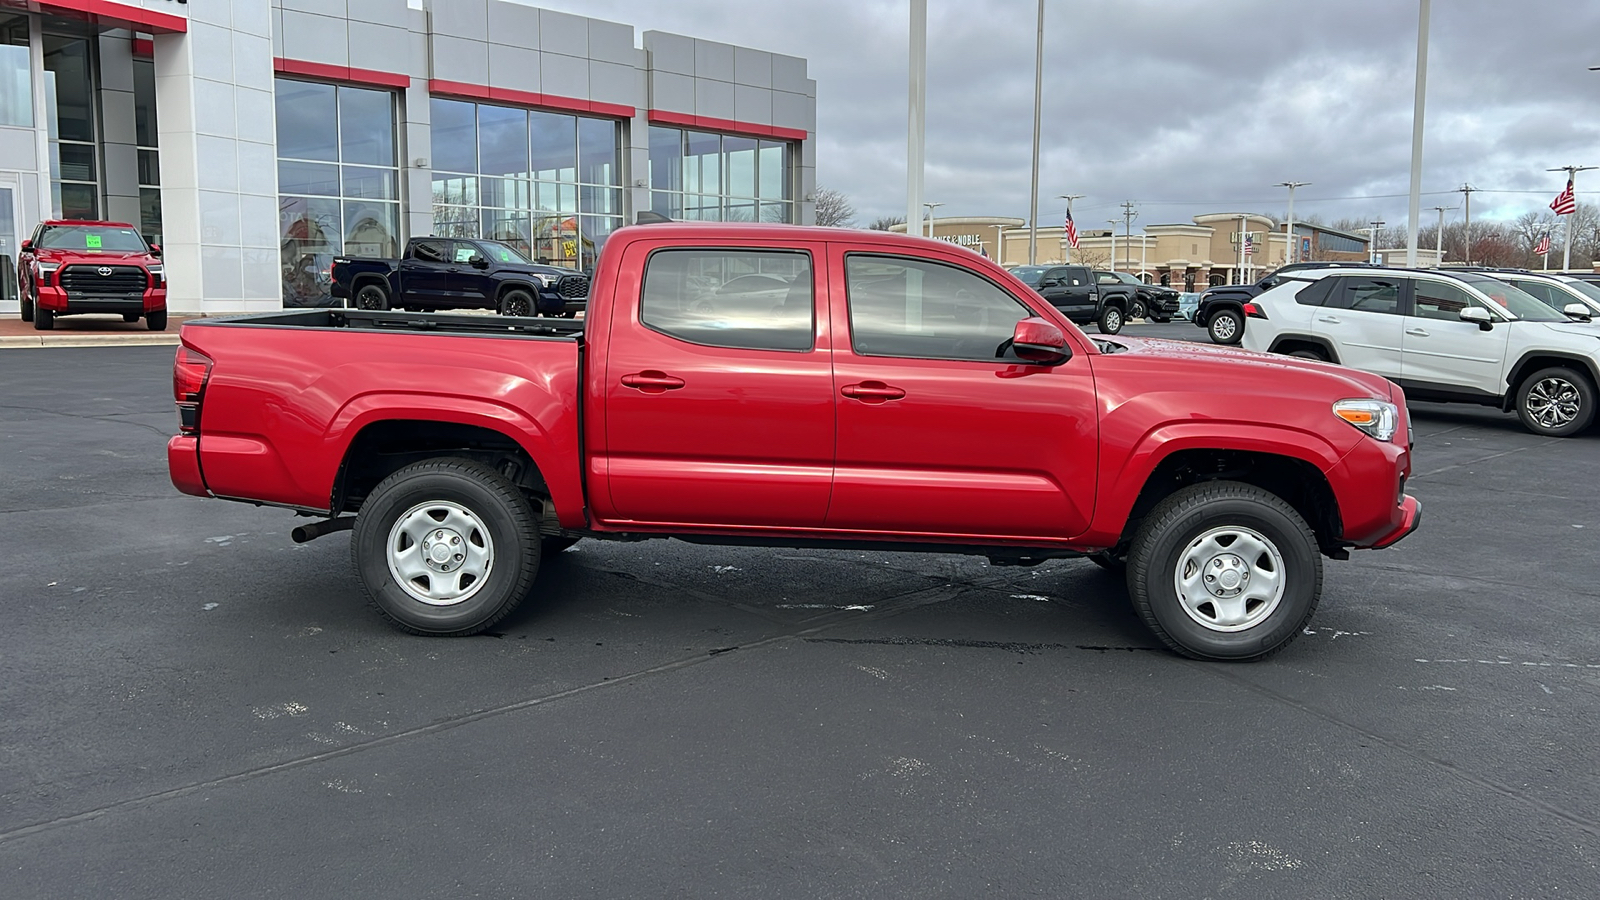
<point x="1410" y="518"/>
<point x="59" y="301"/>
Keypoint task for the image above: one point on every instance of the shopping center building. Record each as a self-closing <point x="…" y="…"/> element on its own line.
<point x="254" y="140"/>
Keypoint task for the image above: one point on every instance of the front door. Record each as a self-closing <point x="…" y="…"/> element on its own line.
<point x="469" y="280"/>
<point x="718" y="388"/>
<point x="942" y="430"/>
<point x="1362" y="318"/>
<point x="1444" y="354"/>
<point x="8" y="249"/>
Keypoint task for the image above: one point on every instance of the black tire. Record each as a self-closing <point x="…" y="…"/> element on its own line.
<point x="372" y="296"/>
<point x="1226" y="327"/>
<point x="550" y="546"/>
<point x="1161" y="320"/>
<point x="1556" y="402"/>
<point x="495" y="506"/>
<point x="27" y="308"/>
<point x="1137" y="310"/>
<point x="1309" y="354"/>
<point x="155" y="321"/>
<point x="516" y="303"/>
<point x="43" y="319"/>
<point x="130" y="318"/>
<point x="1175" y="528"/>
<point x="1110" y="321"/>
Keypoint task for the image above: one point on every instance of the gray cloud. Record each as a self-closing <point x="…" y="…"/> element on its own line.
<point x="1183" y="106"/>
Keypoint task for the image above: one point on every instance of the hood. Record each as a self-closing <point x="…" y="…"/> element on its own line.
<point x="1589" y="330"/>
<point x="52" y="254"/>
<point x="1234" y="360"/>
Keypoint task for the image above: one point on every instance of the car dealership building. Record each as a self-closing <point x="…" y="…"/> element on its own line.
<point x="254" y="140"/>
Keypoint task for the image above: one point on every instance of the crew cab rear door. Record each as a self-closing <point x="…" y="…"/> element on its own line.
<point x="718" y="388"/>
<point x="424" y="273"/>
<point x="942" y="430"/>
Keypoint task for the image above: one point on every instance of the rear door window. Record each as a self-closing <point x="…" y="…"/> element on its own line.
<point x="1366" y="294"/>
<point x="744" y="299"/>
<point x="430" y="251"/>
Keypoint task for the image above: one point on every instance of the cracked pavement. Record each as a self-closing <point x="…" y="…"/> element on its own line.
<point x="195" y="706"/>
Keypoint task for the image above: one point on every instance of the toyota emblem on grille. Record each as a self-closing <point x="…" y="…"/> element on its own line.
<point x="104" y="270"/>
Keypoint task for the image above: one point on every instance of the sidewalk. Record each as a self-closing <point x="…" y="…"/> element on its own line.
<point x="86" y="331"/>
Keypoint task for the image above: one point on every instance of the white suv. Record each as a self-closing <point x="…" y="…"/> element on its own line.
<point x="1463" y="336"/>
<point x="1557" y="291"/>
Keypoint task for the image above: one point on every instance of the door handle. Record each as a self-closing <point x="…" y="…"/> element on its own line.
<point x="652" y="382"/>
<point x="1418" y="332"/>
<point x="1331" y="320"/>
<point x="872" y="392"/>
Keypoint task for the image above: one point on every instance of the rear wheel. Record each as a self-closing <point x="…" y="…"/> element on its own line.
<point x="1556" y="402"/>
<point x="446" y="546"/>
<point x="516" y="303"/>
<point x="1226" y="327"/>
<point x="1137" y="310"/>
<point x="156" y="321"/>
<point x="1224" y="571"/>
<point x="372" y="296"/>
<point x="1110" y="320"/>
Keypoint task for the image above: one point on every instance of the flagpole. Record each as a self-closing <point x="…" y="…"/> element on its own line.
<point x="1066" y="242"/>
<point x="1038" y="90"/>
<point x="1572" y="174"/>
<point x="1415" y="205"/>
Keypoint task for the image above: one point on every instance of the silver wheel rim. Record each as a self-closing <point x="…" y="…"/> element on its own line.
<point x="440" y="553"/>
<point x="1230" y="579"/>
<point x="1113" y="320"/>
<point x="1223" y="327"/>
<point x="1139" y="311"/>
<point x="1554" y="402"/>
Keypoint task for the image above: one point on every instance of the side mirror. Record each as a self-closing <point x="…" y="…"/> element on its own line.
<point x="1578" y="311"/>
<point x="27" y="244"/>
<point x="1049" y="283"/>
<point x="155" y="250"/>
<point x="479" y="262"/>
<point x="1479" y="315"/>
<point x="1039" y="341"/>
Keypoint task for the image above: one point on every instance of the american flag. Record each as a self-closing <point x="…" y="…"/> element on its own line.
<point x="1565" y="204"/>
<point x="1544" y="244"/>
<point x="1072" y="231"/>
<point x="1249" y="245"/>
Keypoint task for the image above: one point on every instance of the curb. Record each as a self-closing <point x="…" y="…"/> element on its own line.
<point x="89" y="340"/>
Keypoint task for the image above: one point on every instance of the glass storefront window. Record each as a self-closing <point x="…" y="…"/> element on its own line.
<point x="69" y="88"/>
<point x="16" y="74"/>
<point x="338" y="182"/>
<point x="145" y="130"/>
<point x="548" y="184"/>
<point x="700" y="175"/>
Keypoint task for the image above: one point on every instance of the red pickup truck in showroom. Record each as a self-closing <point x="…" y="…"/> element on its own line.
<point x="70" y="267"/>
<point x="793" y="386"/>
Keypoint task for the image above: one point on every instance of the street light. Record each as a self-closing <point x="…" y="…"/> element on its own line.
<point x="1372" y="248"/>
<point x="1113" y="224"/>
<point x="1066" y="247"/>
<point x="1415" y="204"/>
<point x="1291" y="250"/>
<point x="1438" y="248"/>
<point x="1038" y="91"/>
<point x="999" y="245"/>
<point x="931" y="207"/>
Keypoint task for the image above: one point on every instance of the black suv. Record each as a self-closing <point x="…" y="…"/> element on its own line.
<point x="1154" y="302"/>
<point x="1221" y="309"/>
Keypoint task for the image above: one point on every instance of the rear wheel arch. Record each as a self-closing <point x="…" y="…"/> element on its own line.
<point x="361" y="281"/>
<point x="1289" y="343"/>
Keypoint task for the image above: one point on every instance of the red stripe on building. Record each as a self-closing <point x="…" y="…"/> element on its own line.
<point x="144" y="47"/>
<point x="527" y="98"/>
<point x="117" y="15"/>
<point x="711" y="123"/>
<point x="345" y="74"/>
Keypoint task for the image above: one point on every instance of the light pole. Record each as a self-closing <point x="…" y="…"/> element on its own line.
<point x="1291" y="251"/>
<point x="1066" y="245"/>
<point x="1416" y="134"/>
<point x="931" y="207"/>
<point x="1466" y="191"/>
<point x="917" y="101"/>
<point x="1128" y="215"/>
<point x="1000" y="245"/>
<point x="1244" y="235"/>
<point x="1038" y="88"/>
<point x="1566" y="253"/>
<point x="1373" y="227"/>
<point x="1438" y="249"/>
<point x="1113" y="224"/>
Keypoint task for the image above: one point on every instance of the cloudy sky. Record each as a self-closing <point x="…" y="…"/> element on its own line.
<point x="1183" y="106"/>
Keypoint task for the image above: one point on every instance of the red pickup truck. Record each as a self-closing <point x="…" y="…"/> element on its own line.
<point x="793" y="386"/>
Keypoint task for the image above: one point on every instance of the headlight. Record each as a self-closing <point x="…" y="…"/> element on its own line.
<point x="546" y="279"/>
<point x="158" y="273"/>
<point x="1378" y="418"/>
<point x="45" y="268"/>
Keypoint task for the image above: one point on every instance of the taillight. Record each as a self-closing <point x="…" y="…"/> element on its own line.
<point x="189" y="373"/>
<point x="1254" y="311"/>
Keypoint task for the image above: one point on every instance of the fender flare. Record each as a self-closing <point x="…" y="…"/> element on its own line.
<point x="566" y="490"/>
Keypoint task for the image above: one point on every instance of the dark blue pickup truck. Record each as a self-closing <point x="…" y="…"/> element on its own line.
<point x="459" y="273"/>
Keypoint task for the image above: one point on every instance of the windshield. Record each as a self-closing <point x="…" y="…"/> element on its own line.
<point x="1519" y="302"/>
<point x="91" y="239"/>
<point x="1029" y="275"/>
<point x="504" y="253"/>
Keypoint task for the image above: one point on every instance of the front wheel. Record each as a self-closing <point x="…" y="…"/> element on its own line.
<point x="1137" y="310"/>
<point x="155" y="321"/>
<point x="1110" y="320"/>
<point x="516" y="303"/>
<point x="1226" y="327"/>
<point x="27" y="308"/>
<point x="44" y="319"/>
<point x="1225" y="571"/>
<point x="446" y="546"/>
<point x="1556" y="402"/>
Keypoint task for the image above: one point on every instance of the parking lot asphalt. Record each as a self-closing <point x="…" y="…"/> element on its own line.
<point x="194" y="706"/>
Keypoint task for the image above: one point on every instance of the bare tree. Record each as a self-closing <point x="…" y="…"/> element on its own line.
<point x="884" y="223"/>
<point x="833" y="208"/>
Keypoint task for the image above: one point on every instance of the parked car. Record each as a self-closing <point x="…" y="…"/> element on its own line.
<point x="459" y="273"/>
<point x="71" y="267"/>
<point x="1155" y="302"/>
<point x="1081" y="294"/>
<point x="871" y="407"/>
<point x="1446" y="336"/>
<point x="1559" y="292"/>
<point x="1221" y="311"/>
<point x="1188" y="302"/>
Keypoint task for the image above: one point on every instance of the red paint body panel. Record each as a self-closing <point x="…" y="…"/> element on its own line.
<point x="684" y="438"/>
<point x="183" y="464"/>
